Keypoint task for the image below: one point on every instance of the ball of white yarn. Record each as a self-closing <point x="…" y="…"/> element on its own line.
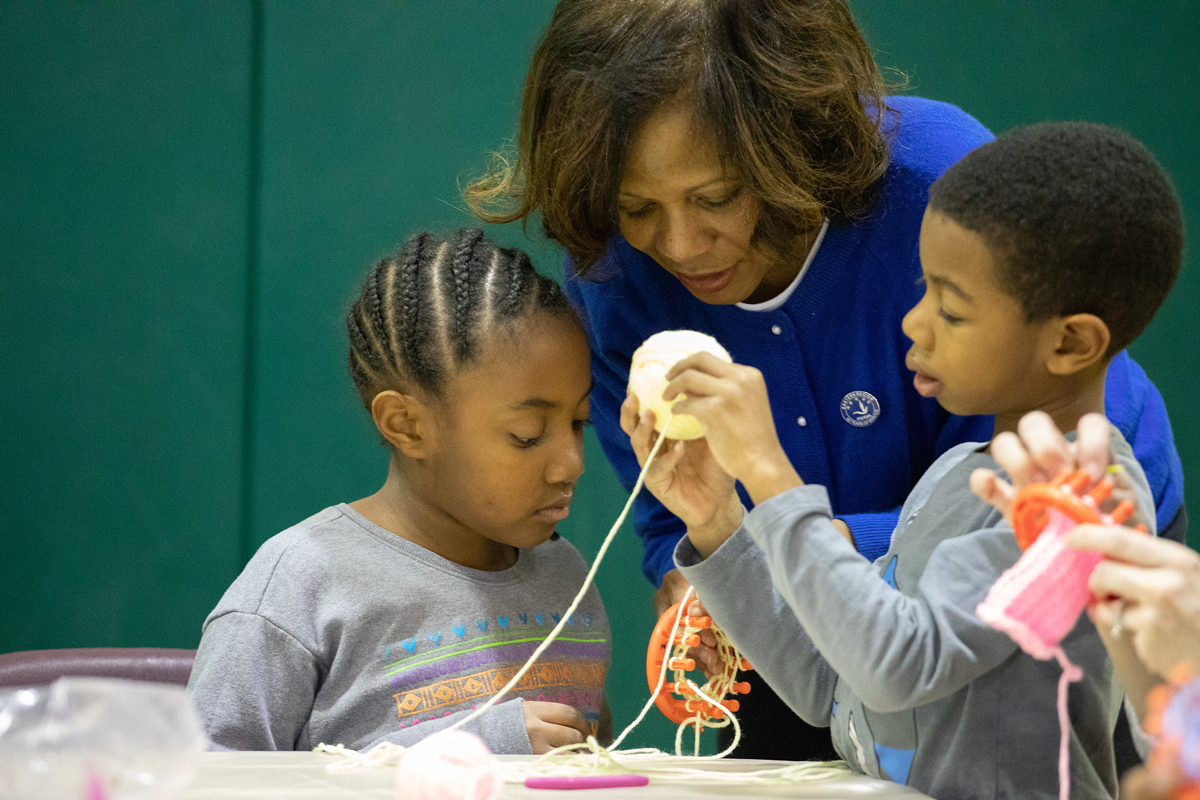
<point x="648" y="371"/>
<point x="450" y="765"/>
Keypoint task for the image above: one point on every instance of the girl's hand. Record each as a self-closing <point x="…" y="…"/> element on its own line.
<point x="730" y="400"/>
<point x="1158" y="586"/>
<point x="684" y="476"/>
<point x="552" y="725"/>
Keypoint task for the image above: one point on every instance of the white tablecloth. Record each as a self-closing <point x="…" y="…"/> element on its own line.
<point x="302" y="776"/>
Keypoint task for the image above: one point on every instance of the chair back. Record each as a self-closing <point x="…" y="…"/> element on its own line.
<point x="40" y="667"/>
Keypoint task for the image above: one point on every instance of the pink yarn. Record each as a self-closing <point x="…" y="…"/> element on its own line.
<point x="1037" y="602"/>
<point x="449" y="765"/>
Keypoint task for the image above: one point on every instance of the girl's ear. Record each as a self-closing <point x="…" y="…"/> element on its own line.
<point x="405" y="422"/>
<point x="1082" y="342"/>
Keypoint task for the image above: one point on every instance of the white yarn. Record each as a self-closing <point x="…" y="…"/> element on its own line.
<point x="647" y="377"/>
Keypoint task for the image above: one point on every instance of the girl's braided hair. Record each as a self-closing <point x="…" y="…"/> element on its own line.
<point x="425" y="312"/>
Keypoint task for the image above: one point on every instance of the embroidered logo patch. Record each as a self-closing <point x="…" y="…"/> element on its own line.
<point x="860" y="409"/>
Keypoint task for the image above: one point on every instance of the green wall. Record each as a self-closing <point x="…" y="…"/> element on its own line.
<point x="190" y="192"/>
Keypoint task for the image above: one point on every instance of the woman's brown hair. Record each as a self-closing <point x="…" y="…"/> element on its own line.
<point x="787" y="89"/>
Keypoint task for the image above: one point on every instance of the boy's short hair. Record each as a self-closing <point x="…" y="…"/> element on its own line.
<point x="1079" y="217"/>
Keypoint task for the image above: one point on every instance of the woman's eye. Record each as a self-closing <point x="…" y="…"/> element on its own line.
<point x="521" y="441"/>
<point x="580" y="424"/>
<point x="950" y="318"/>
<point x="724" y="201"/>
<point x="636" y="212"/>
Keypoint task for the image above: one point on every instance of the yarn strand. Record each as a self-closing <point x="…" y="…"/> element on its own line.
<point x="1070" y="673"/>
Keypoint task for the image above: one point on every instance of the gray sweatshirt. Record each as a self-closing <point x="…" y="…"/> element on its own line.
<point x="916" y="687"/>
<point x="339" y="631"/>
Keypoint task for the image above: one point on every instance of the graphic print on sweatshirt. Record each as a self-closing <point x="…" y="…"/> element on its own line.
<point x="444" y="670"/>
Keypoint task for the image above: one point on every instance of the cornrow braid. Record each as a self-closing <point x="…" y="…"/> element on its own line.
<point x="424" y="313"/>
<point x="461" y="269"/>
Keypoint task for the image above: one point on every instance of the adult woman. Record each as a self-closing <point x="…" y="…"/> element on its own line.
<point x="736" y="168"/>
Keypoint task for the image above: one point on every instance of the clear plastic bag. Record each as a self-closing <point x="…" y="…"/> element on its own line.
<point x="97" y="739"/>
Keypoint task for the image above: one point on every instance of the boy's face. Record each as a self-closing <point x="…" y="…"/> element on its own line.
<point x="972" y="348"/>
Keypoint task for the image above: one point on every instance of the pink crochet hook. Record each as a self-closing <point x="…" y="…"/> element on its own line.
<point x="586" y="781"/>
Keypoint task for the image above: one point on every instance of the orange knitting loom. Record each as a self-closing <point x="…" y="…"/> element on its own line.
<point x="688" y="705"/>
<point x="1064" y="493"/>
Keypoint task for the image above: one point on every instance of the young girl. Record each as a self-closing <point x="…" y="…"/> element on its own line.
<point x="391" y="617"/>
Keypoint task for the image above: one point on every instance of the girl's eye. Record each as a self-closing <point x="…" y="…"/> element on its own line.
<point x="525" y="443"/>
<point x="635" y="213"/>
<point x="950" y="318"/>
<point x="580" y="424"/>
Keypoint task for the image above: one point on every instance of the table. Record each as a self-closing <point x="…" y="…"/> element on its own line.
<point x="302" y="776"/>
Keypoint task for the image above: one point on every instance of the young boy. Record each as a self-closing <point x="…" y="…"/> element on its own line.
<point x="1044" y="253"/>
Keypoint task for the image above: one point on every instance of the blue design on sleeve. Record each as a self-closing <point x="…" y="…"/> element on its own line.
<point x="481" y="624"/>
<point x="503" y="621"/>
<point x="896" y="763"/>
<point x="459" y="630"/>
<point x="410" y="644"/>
<point x="435" y="637"/>
<point x="889" y="574"/>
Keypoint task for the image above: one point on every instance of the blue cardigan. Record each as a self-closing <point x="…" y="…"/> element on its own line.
<point x="833" y="355"/>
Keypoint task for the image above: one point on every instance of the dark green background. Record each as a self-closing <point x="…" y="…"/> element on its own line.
<point x="190" y="193"/>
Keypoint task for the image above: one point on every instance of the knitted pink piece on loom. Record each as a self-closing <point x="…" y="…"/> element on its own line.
<point x="1038" y="600"/>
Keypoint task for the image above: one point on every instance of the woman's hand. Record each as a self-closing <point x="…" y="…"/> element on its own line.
<point x="685" y="477"/>
<point x="1157" y="583"/>
<point x="730" y="400"/>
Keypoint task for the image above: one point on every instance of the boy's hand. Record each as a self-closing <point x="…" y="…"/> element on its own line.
<point x="552" y="725"/>
<point x="1037" y="453"/>
<point x="730" y="400"/>
<point x="684" y="476"/>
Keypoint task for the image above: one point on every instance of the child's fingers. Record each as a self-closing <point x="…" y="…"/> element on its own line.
<point x="564" y="715"/>
<point x="668" y="457"/>
<point x="991" y="489"/>
<point x="1092" y="450"/>
<point x="701" y="362"/>
<point x="694" y="383"/>
<point x="629" y="413"/>
<point x="643" y="436"/>
<point x="1045" y="443"/>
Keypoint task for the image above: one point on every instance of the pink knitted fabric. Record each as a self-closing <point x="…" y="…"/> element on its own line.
<point x="1037" y="602"/>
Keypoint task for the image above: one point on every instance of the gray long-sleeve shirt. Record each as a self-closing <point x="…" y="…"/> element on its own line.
<point x="915" y="686"/>
<point x="339" y="631"/>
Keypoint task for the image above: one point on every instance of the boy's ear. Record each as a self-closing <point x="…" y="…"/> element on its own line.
<point x="1082" y="341"/>
<point x="405" y="422"/>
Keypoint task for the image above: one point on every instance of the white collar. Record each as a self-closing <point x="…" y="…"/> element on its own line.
<point x="781" y="298"/>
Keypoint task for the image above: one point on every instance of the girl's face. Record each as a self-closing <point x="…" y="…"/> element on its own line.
<point x="679" y="206"/>
<point x="510" y="441"/>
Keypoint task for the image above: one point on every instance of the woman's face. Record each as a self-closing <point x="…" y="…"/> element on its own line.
<point x="678" y="206"/>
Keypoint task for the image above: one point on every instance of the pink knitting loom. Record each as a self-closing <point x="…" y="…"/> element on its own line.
<point x="1037" y="601"/>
